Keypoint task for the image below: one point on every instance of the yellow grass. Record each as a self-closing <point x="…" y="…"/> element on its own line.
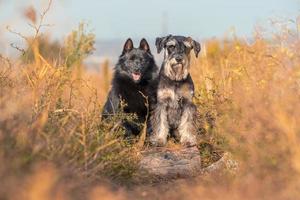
<point x="53" y="144"/>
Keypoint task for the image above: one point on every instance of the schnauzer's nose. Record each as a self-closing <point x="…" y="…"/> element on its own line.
<point x="179" y="58"/>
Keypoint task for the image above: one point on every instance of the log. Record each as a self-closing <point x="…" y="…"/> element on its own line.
<point x="224" y="164"/>
<point x="181" y="163"/>
<point x="171" y="163"/>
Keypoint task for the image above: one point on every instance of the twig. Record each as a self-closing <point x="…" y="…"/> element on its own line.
<point x="42" y="16"/>
<point x="37" y="29"/>
<point x="143" y="132"/>
<point x="115" y="127"/>
<point x="17" y="33"/>
<point x="66" y="110"/>
<point x="18" y="48"/>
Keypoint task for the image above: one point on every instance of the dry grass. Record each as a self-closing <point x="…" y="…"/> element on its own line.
<point x="53" y="144"/>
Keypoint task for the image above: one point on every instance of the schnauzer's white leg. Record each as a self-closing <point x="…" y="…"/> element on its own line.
<point x="187" y="127"/>
<point x="160" y="126"/>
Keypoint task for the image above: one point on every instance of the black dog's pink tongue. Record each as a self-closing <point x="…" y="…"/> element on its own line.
<point x="136" y="76"/>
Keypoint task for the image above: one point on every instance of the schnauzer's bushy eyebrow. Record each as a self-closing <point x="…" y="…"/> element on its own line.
<point x="171" y="42"/>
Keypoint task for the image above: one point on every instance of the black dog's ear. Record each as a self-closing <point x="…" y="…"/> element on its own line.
<point x="128" y="46"/>
<point x="160" y="43"/>
<point x="196" y="47"/>
<point x="144" y="45"/>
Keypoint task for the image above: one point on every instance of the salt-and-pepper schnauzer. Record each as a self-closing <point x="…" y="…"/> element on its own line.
<point x="175" y="112"/>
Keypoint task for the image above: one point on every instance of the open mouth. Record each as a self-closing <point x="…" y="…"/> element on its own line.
<point x="136" y="76"/>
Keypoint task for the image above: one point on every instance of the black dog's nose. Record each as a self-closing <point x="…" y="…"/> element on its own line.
<point x="178" y="59"/>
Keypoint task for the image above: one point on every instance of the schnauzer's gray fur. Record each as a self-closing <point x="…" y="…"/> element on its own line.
<point x="175" y="112"/>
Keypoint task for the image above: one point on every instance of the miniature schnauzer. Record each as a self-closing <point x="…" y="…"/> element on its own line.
<point x="175" y="112"/>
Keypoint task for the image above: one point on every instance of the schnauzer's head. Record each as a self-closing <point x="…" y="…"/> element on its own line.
<point x="136" y="64"/>
<point x="177" y="55"/>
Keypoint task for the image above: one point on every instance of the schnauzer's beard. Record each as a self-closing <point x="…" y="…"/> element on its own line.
<point x="176" y="71"/>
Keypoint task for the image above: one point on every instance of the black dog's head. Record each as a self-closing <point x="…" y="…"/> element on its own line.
<point x="177" y="55"/>
<point x="136" y="63"/>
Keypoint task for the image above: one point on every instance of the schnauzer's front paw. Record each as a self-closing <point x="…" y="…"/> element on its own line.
<point x="188" y="141"/>
<point x="158" y="141"/>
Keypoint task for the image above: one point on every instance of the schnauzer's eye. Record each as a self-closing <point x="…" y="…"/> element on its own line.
<point x="171" y="47"/>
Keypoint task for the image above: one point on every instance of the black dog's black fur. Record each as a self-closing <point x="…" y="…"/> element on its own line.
<point x="135" y="72"/>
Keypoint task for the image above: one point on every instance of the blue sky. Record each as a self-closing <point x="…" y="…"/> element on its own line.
<point x="111" y="19"/>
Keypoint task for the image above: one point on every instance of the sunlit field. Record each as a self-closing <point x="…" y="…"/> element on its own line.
<point x="53" y="144"/>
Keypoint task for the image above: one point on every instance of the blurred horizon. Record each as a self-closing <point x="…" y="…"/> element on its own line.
<point x="117" y="19"/>
<point x="113" y="21"/>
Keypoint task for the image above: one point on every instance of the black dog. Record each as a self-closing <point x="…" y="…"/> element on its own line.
<point x="175" y="112"/>
<point x="135" y="73"/>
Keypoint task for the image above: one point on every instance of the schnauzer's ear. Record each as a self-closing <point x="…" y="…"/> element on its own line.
<point x="128" y="46"/>
<point x="144" y="45"/>
<point x="160" y="43"/>
<point x="196" y="47"/>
